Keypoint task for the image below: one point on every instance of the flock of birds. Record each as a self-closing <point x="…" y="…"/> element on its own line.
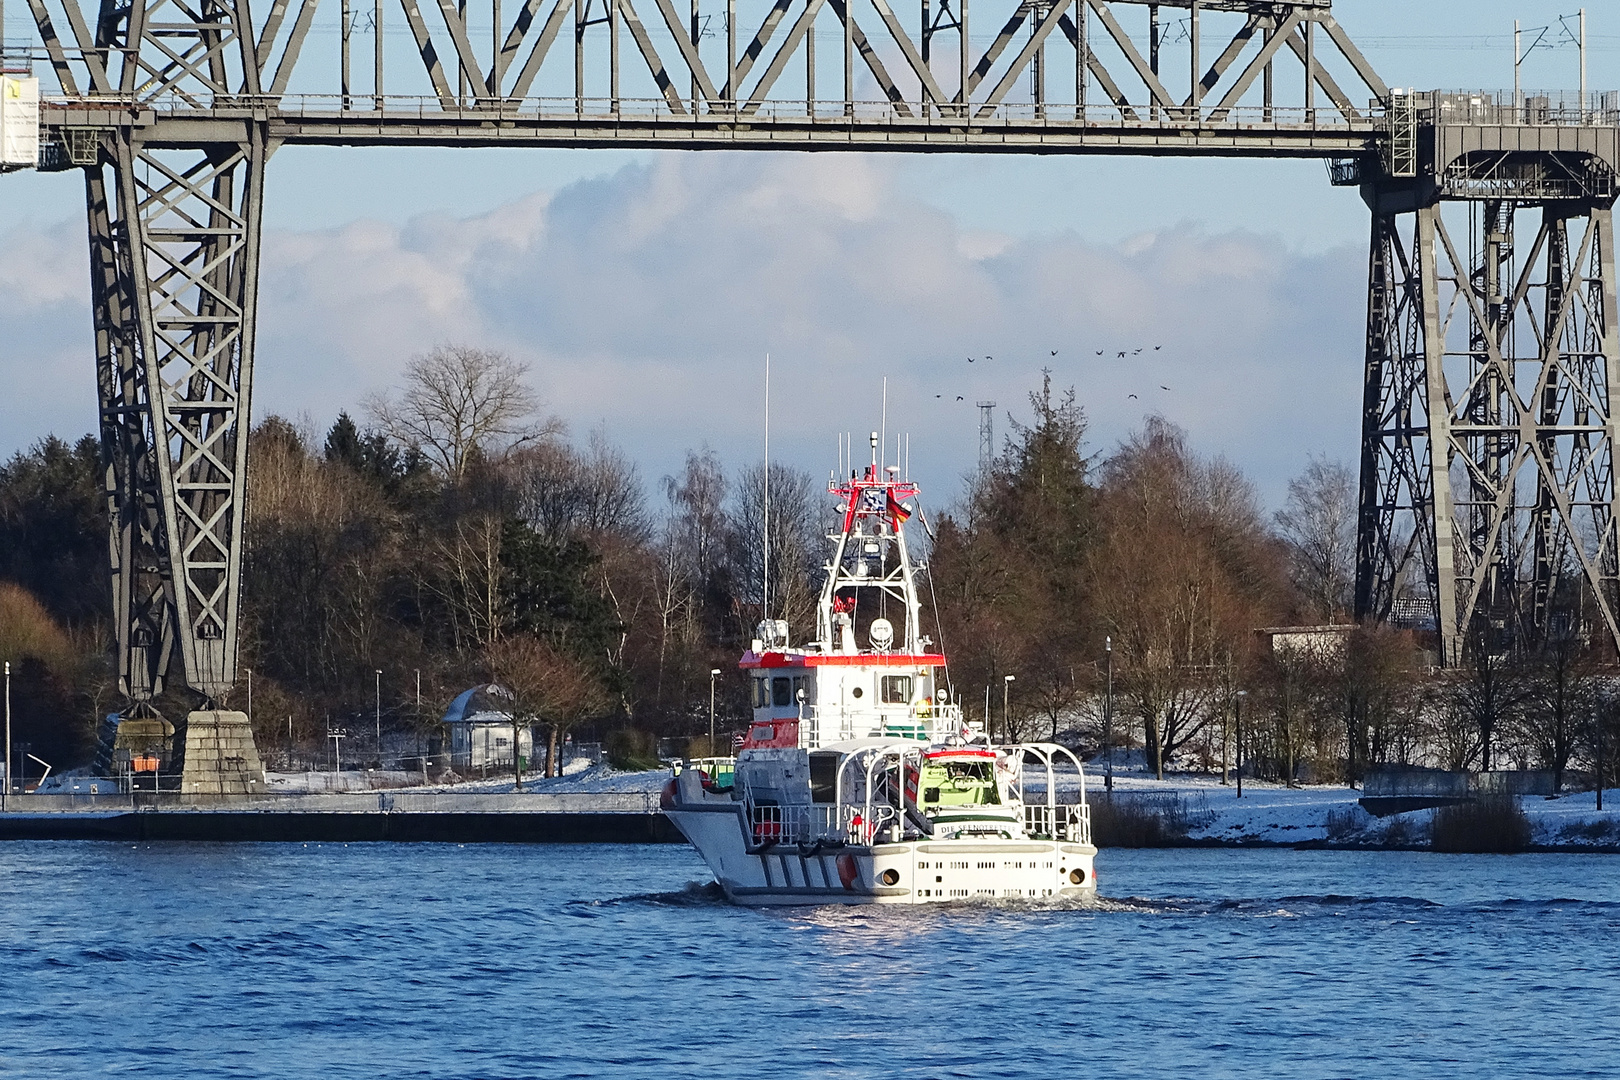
<point x="1122" y="354"/>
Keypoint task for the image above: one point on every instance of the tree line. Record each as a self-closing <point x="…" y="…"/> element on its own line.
<point x="454" y="535"/>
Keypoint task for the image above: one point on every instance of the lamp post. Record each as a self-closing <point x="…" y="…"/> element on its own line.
<point x="1108" y="718"/>
<point x="1006" y="688"/>
<point x="1238" y="707"/>
<point x="379" y="714"/>
<point x="250" y="696"/>
<point x="714" y="673"/>
<point x="5" y="789"/>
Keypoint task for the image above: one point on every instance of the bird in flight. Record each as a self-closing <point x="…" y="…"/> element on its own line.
<point x="1122" y="352"/>
<point x="1163" y="387"/>
<point x="958" y="397"/>
<point x="1099" y="352"/>
<point x="1133" y="397"/>
<point x="1156" y="348"/>
<point x="939" y="395"/>
<point x="1137" y="352"/>
<point x="971" y="360"/>
<point x="1054" y="352"/>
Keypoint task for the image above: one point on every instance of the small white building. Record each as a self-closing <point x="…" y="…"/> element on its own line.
<point x="480" y="723"/>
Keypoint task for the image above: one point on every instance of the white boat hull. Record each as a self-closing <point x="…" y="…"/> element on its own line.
<point x="921" y="871"/>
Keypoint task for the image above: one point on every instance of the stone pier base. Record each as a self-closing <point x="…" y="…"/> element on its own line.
<point x="219" y="760"/>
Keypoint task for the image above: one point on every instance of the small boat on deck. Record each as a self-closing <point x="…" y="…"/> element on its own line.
<point x="859" y="780"/>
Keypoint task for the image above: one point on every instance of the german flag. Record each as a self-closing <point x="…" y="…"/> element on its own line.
<point x="900" y="514"/>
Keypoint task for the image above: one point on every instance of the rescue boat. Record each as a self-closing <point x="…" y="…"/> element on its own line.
<point x="859" y="780"/>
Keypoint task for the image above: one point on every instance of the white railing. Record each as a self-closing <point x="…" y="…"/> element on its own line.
<point x="1066" y="822"/>
<point x="805" y="824"/>
<point x="818" y="727"/>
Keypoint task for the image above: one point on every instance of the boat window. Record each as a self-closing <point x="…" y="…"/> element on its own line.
<point x="897" y="689"/>
<point x="798" y="686"/>
<point x="958" y="783"/>
<point x="824" y="777"/>
<point x="762" y="692"/>
<point x="781" y="691"/>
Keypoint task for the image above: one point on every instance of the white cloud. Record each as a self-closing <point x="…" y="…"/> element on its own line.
<point x="648" y="299"/>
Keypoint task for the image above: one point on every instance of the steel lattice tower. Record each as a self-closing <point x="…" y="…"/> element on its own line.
<point x="1487" y="468"/>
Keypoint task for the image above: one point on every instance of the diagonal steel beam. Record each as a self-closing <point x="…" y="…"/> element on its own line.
<point x="1348" y="49"/>
<point x="869" y="54"/>
<point x="930" y="88"/>
<point x="456" y="24"/>
<point x="1161" y="96"/>
<point x="689" y="52"/>
<point x="1267" y="53"/>
<point x="294" y="46"/>
<point x="1339" y="98"/>
<point x="1098" y="71"/>
<point x="762" y="37"/>
<point x="542" y="45"/>
<point x="1233" y="50"/>
<point x="773" y="71"/>
<point x="655" y="64"/>
<point x="1022" y="60"/>
<point x="424" y="45"/>
<point x="53" y="47"/>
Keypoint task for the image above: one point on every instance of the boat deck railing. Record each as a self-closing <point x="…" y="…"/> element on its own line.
<point x="1066" y="822"/>
<point x="924" y="723"/>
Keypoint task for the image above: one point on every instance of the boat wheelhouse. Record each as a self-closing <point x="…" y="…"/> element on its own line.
<point x="859" y="780"/>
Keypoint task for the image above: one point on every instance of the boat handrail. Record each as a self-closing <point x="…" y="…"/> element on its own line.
<point x="933" y="724"/>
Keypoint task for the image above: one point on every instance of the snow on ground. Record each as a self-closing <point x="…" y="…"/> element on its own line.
<point x="580" y="777"/>
<point x="1274" y="814"/>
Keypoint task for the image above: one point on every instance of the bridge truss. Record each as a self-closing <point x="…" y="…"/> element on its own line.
<point x="171" y="108"/>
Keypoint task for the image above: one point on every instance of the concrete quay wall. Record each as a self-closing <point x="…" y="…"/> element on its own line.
<point x="434" y="817"/>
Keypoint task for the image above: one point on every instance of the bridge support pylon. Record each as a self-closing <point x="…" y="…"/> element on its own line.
<point x="174" y="257"/>
<point x="1487" y="492"/>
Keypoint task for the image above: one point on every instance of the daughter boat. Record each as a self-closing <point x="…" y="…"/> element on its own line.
<point x="858" y="781"/>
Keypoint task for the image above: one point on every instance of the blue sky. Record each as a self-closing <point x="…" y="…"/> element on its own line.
<point x="645" y="288"/>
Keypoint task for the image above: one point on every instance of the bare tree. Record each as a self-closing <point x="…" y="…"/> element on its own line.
<point x="796" y="542"/>
<point x="548" y="686"/>
<point x="460" y="403"/>
<point x="1318" y="522"/>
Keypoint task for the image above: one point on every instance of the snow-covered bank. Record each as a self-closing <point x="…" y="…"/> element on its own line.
<point x="587" y="780"/>
<point x="1271" y="814"/>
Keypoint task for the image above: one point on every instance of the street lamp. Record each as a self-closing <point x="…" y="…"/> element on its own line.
<point x="5" y="789"/>
<point x="250" y="696"/>
<point x="379" y="714"/>
<point x="1108" y="718"/>
<point x="1006" y="687"/>
<point x="1238" y="707"/>
<point x="714" y="673"/>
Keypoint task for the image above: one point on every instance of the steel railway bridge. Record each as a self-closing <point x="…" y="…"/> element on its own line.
<point x="1487" y="495"/>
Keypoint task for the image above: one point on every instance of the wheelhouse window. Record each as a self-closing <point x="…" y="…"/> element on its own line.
<point x="896" y="689"/>
<point x="762" y="692"/>
<point x="958" y="783"/>
<point x="782" y="691"/>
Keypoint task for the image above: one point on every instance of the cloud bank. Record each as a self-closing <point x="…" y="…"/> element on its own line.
<point x="647" y="300"/>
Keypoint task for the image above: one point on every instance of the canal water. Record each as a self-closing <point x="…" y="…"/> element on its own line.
<point x="396" y="961"/>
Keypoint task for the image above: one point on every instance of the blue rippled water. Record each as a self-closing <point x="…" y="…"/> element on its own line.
<point x="504" y="961"/>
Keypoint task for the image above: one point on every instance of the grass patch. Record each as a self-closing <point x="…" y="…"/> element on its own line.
<point x="632" y="750"/>
<point x="1145" y="820"/>
<point x="1484" y="826"/>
